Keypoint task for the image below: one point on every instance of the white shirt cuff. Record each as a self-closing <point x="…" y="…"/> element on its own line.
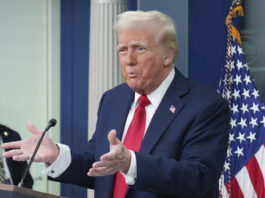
<point x="130" y="177"/>
<point x="62" y="162"/>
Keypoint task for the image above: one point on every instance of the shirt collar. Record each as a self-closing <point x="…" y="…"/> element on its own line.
<point x="156" y="96"/>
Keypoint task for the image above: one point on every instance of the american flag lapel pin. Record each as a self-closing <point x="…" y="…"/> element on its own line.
<point x="172" y="109"/>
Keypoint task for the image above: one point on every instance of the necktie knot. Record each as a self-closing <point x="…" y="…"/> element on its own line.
<point x="143" y="101"/>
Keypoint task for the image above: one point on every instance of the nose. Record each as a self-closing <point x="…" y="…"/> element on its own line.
<point x="130" y="57"/>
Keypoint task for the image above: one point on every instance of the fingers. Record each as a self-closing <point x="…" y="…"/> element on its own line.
<point x="12" y="153"/>
<point x="106" y="167"/>
<point x="17" y="155"/>
<point x="32" y="128"/>
<point x="22" y="157"/>
<point x="112" y="156"/>
<point x="108" y="156"/>
<point x="98" y="172"/>
<point x="11" y="145"/>
<point x="112" y="163"/>
<point x="112" y="137"/>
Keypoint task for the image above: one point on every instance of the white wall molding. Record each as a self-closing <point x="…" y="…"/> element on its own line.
<point x="53" y="77"/>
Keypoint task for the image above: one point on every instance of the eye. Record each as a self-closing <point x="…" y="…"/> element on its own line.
<point x="122" y="50"/>
<point x="141" y="49"/>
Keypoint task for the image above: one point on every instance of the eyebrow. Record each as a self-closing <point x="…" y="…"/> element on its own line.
<point x="133" y="43"/>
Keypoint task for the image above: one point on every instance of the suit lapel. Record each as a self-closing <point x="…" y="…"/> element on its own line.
<point x="124" y="105"/>
<point x="168" y="109"/>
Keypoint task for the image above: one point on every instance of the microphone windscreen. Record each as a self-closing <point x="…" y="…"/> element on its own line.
<point x="52" y="122"/>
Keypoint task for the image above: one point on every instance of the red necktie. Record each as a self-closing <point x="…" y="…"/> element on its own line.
<point x="133" y="142"/>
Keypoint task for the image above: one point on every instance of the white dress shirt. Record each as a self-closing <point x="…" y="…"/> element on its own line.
<point x="64" y="158"/>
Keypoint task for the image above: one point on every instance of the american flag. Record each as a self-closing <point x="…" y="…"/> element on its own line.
<point x="244" y="168"/>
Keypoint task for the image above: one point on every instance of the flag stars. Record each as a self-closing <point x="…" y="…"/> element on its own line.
<point x="229" y="152"/>
<point x="246" y="93"/>
<point x="255" y="93"/>
<point x="236" y="94"/>
<point x="234" y="108"/>
<point x="242" y="123"/>
<point x="239" y="49"/>
<point x="244" y="108"/>
<point x="238" y="79"/>
<point x="232" y="64"/>
<point x="253" y="122"/>
<point x="241" y="137"/>
<point x="231" y="137"/>
<point x="247" y="79"/>
<point x="226" y="166"/>
<point x="239" y="152"/>
<point x="255" y="107"/>
<point x="233" y="50"/>
<point x="252" y="137"/>
<point x="239" y="65"/>
<point x="233" y="123"/>
<point x="246" y="66"/>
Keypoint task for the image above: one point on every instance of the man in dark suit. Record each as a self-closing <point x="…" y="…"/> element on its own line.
<point x="13" y="170"/>
<point x="158" y="135"/>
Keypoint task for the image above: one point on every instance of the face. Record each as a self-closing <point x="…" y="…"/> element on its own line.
<point x="143" y="60"/>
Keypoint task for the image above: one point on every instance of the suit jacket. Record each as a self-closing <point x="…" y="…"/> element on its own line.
<point x="182" y="153"/>
<point x="16" y="169"/>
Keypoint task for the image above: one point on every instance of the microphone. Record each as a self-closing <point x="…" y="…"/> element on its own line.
<point x="51" y="123"/>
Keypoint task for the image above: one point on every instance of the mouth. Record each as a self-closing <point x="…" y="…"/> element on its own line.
<point x="132" y="74"/>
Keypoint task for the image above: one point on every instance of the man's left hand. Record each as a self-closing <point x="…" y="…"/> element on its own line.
<point x="119" y="158"/>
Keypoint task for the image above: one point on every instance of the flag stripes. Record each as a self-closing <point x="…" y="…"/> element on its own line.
<point x="260" y="156"/>
<point x="243" y="180"/>
<point x="256" y="177"/>
<point x="249" y="182"/>
<point x="235" y="189"/>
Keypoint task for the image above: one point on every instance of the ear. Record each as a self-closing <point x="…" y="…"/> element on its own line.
<point x="169" y="56"/>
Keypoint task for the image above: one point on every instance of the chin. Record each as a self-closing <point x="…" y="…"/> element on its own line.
<point x="139" y="91"/>
<point x="136" y="89"/>
<point x="135" y="86"/>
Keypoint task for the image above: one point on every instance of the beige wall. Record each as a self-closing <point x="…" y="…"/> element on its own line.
<point x="30" y="70"/>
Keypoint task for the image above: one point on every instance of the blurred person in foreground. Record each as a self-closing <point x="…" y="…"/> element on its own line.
<point x="11" y="171"/>
<point x="158" y="135"/>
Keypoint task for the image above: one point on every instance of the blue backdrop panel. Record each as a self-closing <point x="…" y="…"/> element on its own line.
<point x="75" y="16"/>
<point x="207" y="40"/>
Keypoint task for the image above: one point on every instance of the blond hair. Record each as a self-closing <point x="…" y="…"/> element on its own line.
<point x="162" y="24"/>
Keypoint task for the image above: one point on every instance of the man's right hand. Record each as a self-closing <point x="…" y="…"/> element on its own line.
<point x="23" y="150"/>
